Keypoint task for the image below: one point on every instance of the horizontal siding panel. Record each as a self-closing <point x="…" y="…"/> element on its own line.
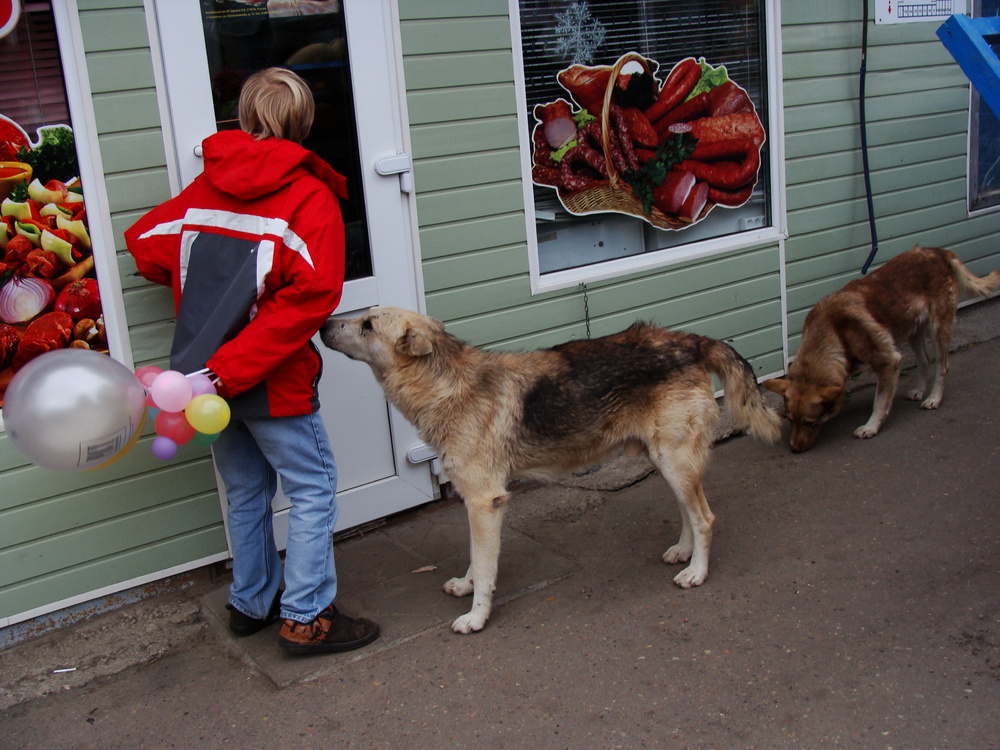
<point x="127" y="272"/>
<point x="471" y="103"/>
<point x="119" y="70"/>
<point x="148" y="304"/>
<point x="817" y="36"/>
<point x="832" y="263"/>
<point x="129" y="151"/>
<point x="469" y="203"/>
<point x="899" y="107"/>
<point x="492" y="295"/>
<point x="475" y="268"/>
<point x="135" y="190"/>
<point x="797" y="12"/>
<point x="36" y="483"/>
<point x="829" y="165"/>
<point x="77" y="547"/>
<point x="123" y="29"/>
<point x="98" y="504"/>
<point x="456" y="35"/>
<point x="465" y="170"/>
<point x="673" y="297"/>
<point x="121" y="221"/>
<point x="883" y="182"/>
<point x="548" y="321"/>
<point x="128" y="110"/>
<point x="86" y="5"/>
<point x="444" y="139"/>
<point x="835" y="62"/>
<point x="112" y="571"/>
<point x="848" y="137"/>
<point x="476" y="234"/>
<point x="465" y="69"/>
<point x="414" y="10"/>
<point x="839" y="88"/>
<point x="152" y="341"/>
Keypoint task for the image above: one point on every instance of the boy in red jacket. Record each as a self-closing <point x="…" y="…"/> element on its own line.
<point x="253" y="249"/>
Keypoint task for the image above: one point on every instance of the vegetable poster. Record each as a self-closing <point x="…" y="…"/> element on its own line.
<point x="49" y="297"/>
<point x="667" y="151"/>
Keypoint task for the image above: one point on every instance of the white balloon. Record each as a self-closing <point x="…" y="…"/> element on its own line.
<point x="74" y="409"/>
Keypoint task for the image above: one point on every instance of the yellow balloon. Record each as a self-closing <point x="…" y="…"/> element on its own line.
<point x="208" y="413"/>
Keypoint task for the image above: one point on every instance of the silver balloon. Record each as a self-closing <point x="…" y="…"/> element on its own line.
<point x="74" y="409"/>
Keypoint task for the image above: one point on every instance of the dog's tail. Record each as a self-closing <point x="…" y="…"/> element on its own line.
<point x="969" y="284"/>
<point x="743" y="396"/>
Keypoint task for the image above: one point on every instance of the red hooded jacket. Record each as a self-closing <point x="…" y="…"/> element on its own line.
<point x="253" y="249"/>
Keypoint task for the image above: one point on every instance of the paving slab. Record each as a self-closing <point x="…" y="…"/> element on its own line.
<point x="395" y="574"/>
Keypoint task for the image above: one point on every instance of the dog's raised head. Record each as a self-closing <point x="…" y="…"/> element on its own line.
<point x="383" y="336"/>
<point x="808" y="406"/>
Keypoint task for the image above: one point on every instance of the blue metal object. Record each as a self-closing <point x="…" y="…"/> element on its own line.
<point x="971" y="42"/>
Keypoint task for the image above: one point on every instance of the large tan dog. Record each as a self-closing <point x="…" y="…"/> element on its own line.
<point x="494" y="416"/>
<point x="911" y="298"/>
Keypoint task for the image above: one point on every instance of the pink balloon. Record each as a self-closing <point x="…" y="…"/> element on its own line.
<point x="146" y="375"/>
<point x="171" y="391"/>
<point x="164" y="448"/>
<point x="174" y="425"/>
<point x="201" y="384"/>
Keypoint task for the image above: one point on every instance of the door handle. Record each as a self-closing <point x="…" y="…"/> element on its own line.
<point x="397" y="164"/>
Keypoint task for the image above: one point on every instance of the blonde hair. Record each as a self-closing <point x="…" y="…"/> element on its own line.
<point x="276" y="102"/>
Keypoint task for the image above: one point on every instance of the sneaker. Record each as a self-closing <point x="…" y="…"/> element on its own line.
<point x="243" y="625"/>
<point x="331" y="631"/>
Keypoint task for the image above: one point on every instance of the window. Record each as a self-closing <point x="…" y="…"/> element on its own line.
<point x="984" y="138"/>
<point x="577" y="240"/>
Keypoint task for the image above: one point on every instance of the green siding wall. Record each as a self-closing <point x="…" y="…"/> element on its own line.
<point x="63" y="535"/>
<point x="917" y="107"/>
<point x="462" y="108"/>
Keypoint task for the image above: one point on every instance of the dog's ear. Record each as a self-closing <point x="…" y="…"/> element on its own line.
<point x="777" y="385"/>
<point x="414" y="343"/>
<point x="830" y="394"/>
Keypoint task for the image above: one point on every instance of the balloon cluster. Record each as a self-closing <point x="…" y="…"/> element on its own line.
<point x="185" y="409"/>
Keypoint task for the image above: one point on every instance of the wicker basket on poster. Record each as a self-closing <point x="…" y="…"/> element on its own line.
<point x="616" y="195"/>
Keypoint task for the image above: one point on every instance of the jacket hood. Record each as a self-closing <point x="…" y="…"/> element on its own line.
<point x="239" y="165"/>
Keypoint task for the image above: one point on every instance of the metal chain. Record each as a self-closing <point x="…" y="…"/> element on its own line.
<point x="586" y="306"/>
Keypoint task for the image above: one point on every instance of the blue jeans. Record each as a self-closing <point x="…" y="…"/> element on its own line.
<point x="250" y="454"/>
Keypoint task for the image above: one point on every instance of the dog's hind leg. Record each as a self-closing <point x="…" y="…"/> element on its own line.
<point x="941" y="331"/>
<point x="918" y="342"/>
<point x="681" y="458"/>
<point x="485" y="523"/>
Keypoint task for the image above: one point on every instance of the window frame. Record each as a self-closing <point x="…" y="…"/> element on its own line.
<point x="977" y="202"/>
<point x="656" y="259"/>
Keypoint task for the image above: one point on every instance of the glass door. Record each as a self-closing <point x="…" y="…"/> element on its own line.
<point x="208" y="48"/>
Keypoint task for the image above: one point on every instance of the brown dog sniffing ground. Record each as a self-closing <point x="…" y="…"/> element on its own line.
<point x="913" y="299"/>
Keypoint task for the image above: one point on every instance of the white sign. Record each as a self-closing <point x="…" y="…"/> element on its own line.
<point x="908" y="11"/>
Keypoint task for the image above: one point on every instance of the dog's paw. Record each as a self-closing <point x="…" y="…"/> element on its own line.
<point x="915" y="395"/>
<point x="866" y="431"/>
<point x="459" y="587"/>
<point x="931" y="403"/>
<point x="691" y="577"/>
<point x="469" y="623"/>
<point x="677" y="554"/>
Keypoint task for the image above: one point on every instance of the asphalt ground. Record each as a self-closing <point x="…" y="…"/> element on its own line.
<point x="853" y="601"/>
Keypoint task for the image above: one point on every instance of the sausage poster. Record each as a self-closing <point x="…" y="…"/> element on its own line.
<point x="668" y="152"/>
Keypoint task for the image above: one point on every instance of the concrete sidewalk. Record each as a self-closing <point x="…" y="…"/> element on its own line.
<point x="853" y="601"/>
